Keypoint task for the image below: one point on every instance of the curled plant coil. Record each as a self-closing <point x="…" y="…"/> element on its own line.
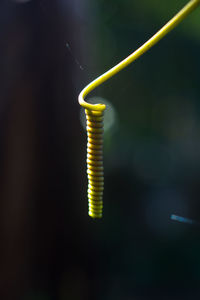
<point x="94" y="113"/>
<point x="95" y="162"/>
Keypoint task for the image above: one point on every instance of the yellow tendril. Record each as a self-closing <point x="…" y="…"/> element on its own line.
<point x="94" y="113"/>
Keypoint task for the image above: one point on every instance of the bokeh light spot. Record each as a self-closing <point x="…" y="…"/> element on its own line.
<point x="109" y="114"/>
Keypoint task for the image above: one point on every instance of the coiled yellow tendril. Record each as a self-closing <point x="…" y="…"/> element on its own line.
<point x="95" y="162"/>
<point x="94" y="114"/>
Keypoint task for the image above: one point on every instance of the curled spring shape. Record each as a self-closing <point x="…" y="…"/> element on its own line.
<point x="94" y="113"/>
<point x="95" y="162"/>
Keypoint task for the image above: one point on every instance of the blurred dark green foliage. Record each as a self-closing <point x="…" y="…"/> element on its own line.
<point x="152" y="161"/>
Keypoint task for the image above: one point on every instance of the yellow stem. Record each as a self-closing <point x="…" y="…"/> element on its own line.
<point x="180" y="16"/>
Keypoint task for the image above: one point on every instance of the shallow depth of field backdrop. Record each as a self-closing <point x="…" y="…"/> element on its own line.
<point x="50" y="249"/>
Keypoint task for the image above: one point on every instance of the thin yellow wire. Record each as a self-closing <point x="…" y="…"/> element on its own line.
<point x="94" y="115"/>
<point x="180" y="16"/>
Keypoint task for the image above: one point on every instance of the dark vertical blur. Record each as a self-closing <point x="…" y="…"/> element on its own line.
<point x="40" y="138"/>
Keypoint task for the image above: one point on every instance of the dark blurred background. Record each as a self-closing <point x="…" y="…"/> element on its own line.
<point x="49" y="248"/>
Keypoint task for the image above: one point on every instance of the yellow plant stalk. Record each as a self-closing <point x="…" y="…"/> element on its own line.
<point x="94" y="113"/>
